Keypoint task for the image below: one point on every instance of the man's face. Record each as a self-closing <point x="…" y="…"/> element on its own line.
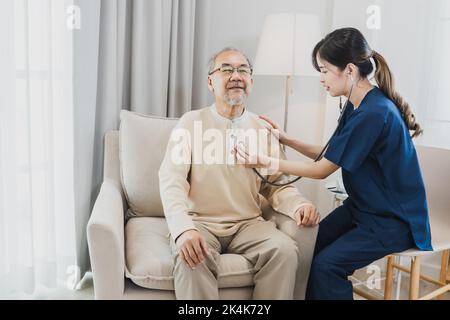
<point x="232" y="87"/>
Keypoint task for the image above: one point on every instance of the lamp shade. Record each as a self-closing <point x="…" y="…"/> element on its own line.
<point x="286" y="44"/>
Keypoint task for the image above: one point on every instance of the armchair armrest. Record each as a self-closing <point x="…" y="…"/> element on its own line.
<point x="105" y="232"/>
<point x="305" y="237"/>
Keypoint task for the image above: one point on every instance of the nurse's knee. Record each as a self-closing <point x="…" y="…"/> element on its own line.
<point x="322" y="264"/>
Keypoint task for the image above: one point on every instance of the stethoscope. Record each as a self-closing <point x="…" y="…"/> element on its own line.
<point x="342" y="110"/>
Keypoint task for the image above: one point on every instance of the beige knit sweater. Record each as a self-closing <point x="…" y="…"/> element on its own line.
<point x="200" y="180"/>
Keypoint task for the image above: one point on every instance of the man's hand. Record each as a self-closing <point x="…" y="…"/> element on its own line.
<point x="192" y="247"/>
<point x="307" y="216"/>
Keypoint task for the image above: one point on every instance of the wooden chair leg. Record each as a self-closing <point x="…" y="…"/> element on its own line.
<point x="448" y="271"/>
<point x="444" y="269"/>
<point x="389" y="278"/>
<point x="415" y="278"/>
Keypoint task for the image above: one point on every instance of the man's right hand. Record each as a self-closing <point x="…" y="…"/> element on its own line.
<point x="192" y="247"/>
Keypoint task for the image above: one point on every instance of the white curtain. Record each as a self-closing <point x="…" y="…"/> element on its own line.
<point x="37" y="238"/>
<point x="62" y="89"/>
<point x="434" y="109"/>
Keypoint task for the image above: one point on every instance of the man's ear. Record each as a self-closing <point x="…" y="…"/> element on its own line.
<point x="210" y="86"/>
<point x="250" y="87"/>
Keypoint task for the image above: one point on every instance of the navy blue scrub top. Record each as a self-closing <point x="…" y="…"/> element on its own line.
<point x="380" y="169"/>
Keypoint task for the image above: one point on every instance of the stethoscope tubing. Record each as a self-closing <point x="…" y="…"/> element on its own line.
<point x="265" y="180"/>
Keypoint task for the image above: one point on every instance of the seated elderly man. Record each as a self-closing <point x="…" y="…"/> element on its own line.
<point x="212" y="204"/>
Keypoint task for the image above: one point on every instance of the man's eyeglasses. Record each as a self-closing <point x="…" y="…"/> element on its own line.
<point x="228" y="70"/>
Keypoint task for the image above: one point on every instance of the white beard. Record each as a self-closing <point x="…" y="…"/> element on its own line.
<point x="235" y="101"/>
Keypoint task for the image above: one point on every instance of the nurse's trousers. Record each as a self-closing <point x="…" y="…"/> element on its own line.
<point x="345" y="244"/>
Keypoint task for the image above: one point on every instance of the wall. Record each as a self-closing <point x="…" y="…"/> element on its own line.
<point x="239" y="23"/>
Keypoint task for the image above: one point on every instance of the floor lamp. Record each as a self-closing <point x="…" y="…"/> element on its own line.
<point x="285" y="48"/>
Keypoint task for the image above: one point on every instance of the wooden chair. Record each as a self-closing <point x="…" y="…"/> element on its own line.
<point x="415" y="276"/>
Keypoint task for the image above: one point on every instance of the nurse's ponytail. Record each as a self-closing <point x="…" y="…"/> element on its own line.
<point x="348" y="45"/>
<point x="385" y="81"/>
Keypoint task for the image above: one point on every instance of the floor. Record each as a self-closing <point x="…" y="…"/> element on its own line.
<point x="362" y="278"/>
<point x="84" y="292"/>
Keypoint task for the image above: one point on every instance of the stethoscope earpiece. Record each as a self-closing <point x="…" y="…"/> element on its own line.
<point x="350" y="76"/>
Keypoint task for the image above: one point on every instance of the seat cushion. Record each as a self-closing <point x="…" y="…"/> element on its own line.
<point x="142" y="145"/>
<point x="149" y="262"/>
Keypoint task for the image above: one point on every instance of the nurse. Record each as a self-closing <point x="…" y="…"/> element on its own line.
<point x="386" y="210"/>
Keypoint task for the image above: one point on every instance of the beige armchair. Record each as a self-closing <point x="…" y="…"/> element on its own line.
<point x="127" y="231"/>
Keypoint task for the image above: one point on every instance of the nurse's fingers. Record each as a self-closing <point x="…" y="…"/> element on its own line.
<point x="272" y="123"/>
<point x="271" y="126"/>
<point x="242" y="149"/>
<point x="242" y="154"/>
<point x="241" y="157"/>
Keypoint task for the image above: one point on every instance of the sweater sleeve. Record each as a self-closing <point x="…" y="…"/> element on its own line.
<point x="173" y="180"/>
<point x="285" y="199"/>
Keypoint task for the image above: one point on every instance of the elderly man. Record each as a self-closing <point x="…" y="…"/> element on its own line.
<point x="214" y="206"/>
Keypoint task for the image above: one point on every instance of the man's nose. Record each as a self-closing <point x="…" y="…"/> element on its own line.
<point x="235" y="75"/>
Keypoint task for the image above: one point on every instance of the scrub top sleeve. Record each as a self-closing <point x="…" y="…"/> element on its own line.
<point x="353" y="143"/>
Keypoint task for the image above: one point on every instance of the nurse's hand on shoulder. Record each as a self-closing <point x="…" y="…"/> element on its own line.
<point x="275" y="129"/>
<point x="307" y="216"/>
<point x="192" y="247"/>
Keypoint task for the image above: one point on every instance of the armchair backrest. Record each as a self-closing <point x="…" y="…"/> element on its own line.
<point x="142" y="145"/>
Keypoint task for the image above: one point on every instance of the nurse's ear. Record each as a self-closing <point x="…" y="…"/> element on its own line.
<point x="351" y="71"/>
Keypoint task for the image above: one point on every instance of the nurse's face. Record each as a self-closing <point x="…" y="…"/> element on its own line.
<point x="335" y="80"/>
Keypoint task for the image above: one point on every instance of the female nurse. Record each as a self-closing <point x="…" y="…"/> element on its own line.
<point x="386" y="209"/>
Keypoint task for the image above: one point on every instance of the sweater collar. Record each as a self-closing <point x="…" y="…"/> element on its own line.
<point x="242" y="117"/>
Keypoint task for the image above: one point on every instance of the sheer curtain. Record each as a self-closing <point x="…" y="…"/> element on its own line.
<point x="37" y="240"/>
<point x="435" y="110"/>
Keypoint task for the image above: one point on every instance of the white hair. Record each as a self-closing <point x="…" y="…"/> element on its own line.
<point x="212" y="61"/>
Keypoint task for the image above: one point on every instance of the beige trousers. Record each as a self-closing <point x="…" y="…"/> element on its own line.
<point x="272" y="253"/>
